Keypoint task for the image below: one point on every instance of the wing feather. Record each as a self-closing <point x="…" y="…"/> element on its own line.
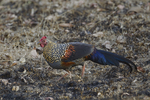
<point x="77" y="50"/>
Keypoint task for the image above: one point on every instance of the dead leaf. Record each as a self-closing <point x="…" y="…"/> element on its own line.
<point x="51" y="17"/>
<point x="11" y="16"/>
<point x="8" y="56"/>
<point x="4" y="63"/>
<point x="135" y="10"/>
<point x="110" y="3"/>
<point x="13" y="64"/>
<point x="140" y="69"/>
<point x="120" y="7"/>
<point x="65" y="25"/>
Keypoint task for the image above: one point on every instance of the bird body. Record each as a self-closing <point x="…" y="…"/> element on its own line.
<point x="67" y="55"/>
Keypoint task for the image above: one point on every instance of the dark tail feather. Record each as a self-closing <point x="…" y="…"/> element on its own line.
<point x="108" y="58"/>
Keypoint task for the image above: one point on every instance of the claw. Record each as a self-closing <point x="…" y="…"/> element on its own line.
<point x="65" y="75"/>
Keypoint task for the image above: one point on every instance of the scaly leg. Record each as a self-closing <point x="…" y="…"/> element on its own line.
<point x="64" y="75"/>
<point x="83" y="69"/>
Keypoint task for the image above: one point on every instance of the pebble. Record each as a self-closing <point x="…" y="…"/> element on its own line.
<point x="15" y="88"/>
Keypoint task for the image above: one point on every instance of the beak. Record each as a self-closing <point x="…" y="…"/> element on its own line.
<point x="38" y="43"/>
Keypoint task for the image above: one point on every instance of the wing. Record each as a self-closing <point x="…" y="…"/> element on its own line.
<point x="77" y="50"/>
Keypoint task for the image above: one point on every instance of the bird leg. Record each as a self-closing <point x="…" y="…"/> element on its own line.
<point x="83" y="69"/>
<point x="64" y="75"/>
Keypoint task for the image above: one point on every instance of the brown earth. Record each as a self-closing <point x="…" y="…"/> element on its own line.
<point x="120" y="26"/>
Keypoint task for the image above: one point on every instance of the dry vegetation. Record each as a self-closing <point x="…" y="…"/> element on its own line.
<point x="120" y="26"/>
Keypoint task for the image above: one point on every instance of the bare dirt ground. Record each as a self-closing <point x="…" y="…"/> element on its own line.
<point x="120" y="26"/>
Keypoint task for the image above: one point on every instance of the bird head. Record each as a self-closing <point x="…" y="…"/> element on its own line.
<point x="43" y="41"/>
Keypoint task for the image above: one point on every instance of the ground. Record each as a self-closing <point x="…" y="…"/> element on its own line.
<point x="119" y="26"/>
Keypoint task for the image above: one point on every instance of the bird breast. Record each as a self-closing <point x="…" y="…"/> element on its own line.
<point x="53" y="52"/>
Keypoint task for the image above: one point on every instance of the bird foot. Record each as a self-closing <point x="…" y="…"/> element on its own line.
<point x="83" y="69"/>
<point x="65" y="75"/>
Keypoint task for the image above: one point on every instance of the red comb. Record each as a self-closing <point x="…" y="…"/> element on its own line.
<point x="43" y="38"/>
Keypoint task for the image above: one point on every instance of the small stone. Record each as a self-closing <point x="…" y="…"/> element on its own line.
<point x="51" y="17"/>
<point x="113" y="50"/>
<point x="98" y="93"/>
<point x="100" y="9"/>
<point x="22" y="60"/>
<point x="39" y="50"/>
<point x="67" y="31"/>
<point x="4" y="81"/>
<point x="107" y="44"/>
<point x="120" y="46"/>
<point x="121" y="39"/>
<point x="47" y="98"/>
<point x="24" y="71"/>
<point x="98" y="34"/>
<point x="15" y="88"/>
<point x="69" y="95"/>
<point x="33" y="54"/>
<point x="79" y="80"/>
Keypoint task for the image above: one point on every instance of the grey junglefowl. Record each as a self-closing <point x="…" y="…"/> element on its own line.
<point x="66" y="55"/>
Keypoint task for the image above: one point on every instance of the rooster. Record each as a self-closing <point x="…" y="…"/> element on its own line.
<point x="67" y="55"/>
